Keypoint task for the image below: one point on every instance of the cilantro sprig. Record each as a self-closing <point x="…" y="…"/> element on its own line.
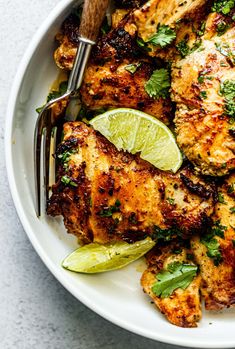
<point x="177" y="275"/>
<point x="163" y="37"/>
<point x="159" y="84"/>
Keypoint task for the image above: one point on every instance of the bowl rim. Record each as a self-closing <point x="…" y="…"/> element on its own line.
<point x="10" y="113"/>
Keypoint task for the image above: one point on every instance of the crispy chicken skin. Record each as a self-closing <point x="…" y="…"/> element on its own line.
<point x="203" y="130"/>
<point x="116" y="195"/>
<point x="107" y="81"/>
<point x="103" y="88"/>
<point x="218" y="282"/>
<point x="183" y="307"/>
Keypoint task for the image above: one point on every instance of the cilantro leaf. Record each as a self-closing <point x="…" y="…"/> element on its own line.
<point x="163" y="37"/>
<point x="109" y="210"/>
<point x="223" y="6"/>
<point x="213" y="246"/>
<point x="66" y="180"/>
<point x="177" y="275"/>
<point x="159" y="84"/>
<point x="132" y="68"/>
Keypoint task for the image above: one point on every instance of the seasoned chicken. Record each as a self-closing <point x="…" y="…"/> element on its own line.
<point x="202" y="87"/>
<point x="117" y="72"/>
<point x="106" y="195"/>
<point x="183" y="306"/>
<point x="156" y="12"/>
<point x="215" y="252"/>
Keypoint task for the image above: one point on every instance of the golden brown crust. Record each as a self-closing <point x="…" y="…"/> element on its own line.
<point x="139" y="196"/>
<point x="183" y="307"/>
<point x="107" y="81"/>
<point x="106" y="86"/>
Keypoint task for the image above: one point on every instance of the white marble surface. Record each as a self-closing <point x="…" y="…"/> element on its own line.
<point x="35" y="310"/>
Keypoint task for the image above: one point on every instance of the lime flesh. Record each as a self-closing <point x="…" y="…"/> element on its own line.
<point x="137" y="132"/>
<point x="96" y="258"/>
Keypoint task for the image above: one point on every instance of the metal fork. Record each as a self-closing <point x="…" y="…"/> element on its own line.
<point x="44" y="137"/>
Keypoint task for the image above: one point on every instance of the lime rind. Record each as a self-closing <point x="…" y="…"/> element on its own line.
<point x="137" y="132"/>
<point x="96" y="258"/>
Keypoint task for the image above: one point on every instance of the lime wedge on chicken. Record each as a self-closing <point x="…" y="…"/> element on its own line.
<point x="136" y="132"/>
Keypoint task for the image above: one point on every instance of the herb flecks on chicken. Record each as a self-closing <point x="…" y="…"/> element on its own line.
<point x="110" y="195"/>
<point x="108" y="83"/>
<point x="181" y="303"/>
<point x="202" y="88"/>
<point x="214" y="251"/>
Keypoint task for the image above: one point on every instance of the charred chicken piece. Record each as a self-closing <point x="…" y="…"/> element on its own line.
<point x="117" y="72"/>
<point x="183" y="307"/>
<point x="215" y="252"/>
<point x="106" y="195"/>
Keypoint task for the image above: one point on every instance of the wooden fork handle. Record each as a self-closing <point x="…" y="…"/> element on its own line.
<point x="92" y="17"/>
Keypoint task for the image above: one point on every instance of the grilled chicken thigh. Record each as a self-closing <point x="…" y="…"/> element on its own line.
<point x="183" y="306"/>
<point x="117" y="72"/>
<point x="106" y="195"/>
<point x="215" y="252"/>
<point x="201" y="83"/>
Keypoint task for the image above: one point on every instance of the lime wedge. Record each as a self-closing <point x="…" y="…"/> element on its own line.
<point x="96" y="258"/>
<point x="134" y="131"/>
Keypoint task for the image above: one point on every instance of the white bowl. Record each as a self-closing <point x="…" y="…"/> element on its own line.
<point x="117" y="296"/>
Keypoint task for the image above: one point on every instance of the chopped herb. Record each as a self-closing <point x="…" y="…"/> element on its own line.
<point x="223" y="64"/>
<point x="230" y="188"/>
<point x="171" y="201"/>
<point x="233" y="242"/>
<point x="68" y="181"/>
<point x="142" y="44"/>
<point x="218" y="229"/>
<point x="227" y="89"/>
<point x="108" y="211"/>
<point x="164" y="36"/>
<point x="223" y="6"/>
<point x="185" y="50"/>
<point x="55" y="94"/>
<point x="221" y="198"/>
<point x="203" y="94"/>
<point x="177" y="275"/>
<point x="159" y="84"/>
<point x="131" y="68"/>
<point x="166" y="234"/>
<point x="202" y="77"/>
<point x="232" y="209"/>
<point x="64" y="157"/>
<point x="222" y="27"/>
<point x="213" y="246"/>
<point x="190" y="256"/>
<point x="224" y="165"/>
<point x="226" y="51"/>
<point x="177" y="251"/>
<point x="201" y="31"/>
